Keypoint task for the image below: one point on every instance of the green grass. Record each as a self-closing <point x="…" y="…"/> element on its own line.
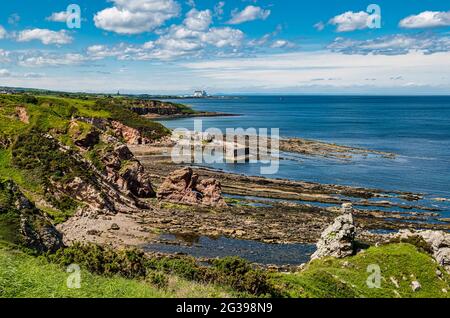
<point x="347" y="278"/>
<point x="22" y="275"/>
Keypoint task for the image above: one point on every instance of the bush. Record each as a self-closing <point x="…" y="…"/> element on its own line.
<point x="232" y="271"/>
<point x="102" y="261"/>
<point x="158" y="280"/>
<point x="186" y="268"/>
<point x="241" y="276"/>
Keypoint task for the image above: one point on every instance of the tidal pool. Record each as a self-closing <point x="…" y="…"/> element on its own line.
<point x="255" y="252"/>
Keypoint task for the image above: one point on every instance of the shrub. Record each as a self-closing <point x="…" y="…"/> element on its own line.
<point x="103" y="261"/>
<point x="241" y="276"/>
<point x="158" y="279"/>
<point x="183" y="267"/>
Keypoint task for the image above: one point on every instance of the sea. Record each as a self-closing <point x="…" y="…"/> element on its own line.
<point x="415" y="128"/>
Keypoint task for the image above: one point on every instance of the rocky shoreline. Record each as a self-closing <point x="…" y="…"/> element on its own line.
<point x="257" y="209"/>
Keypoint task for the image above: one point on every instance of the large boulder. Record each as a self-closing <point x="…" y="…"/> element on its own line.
<point x="183" y="186"/>
<point x="338" y="239"/>
<point x="438" y="241"/>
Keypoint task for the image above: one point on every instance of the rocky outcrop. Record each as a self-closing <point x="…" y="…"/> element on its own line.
<point x="338" y="239"/>
<point x="23" y="115"/>
<point x="84" y="139"/>
<point x="88" y="194"/>
<point x="183" y="186"/>
<point x="127" y="173"/>
<point x="438" y="241"/>
<point x="34" y="228"/>
<point x="129" y="135"/>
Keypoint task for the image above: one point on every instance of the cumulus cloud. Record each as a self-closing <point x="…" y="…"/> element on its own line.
<point x="198" y="20"/>
<point x="351" y="21"/>
<point x="392" y="45"/>
<point x="426" y="19"/>
<point x="58" y="16"/>
<point x="136" y="16"/>
<point x="3" y="32"/>
<point x="191" y="38"/>
<point x="45" y="36"/>
<point x="250" y="13"/>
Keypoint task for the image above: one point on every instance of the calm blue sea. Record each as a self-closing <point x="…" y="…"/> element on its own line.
<point x="415" y="128"/>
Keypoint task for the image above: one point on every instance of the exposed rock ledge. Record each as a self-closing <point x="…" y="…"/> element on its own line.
<point x="438" y="241"/>
<point x="183" y="186"/>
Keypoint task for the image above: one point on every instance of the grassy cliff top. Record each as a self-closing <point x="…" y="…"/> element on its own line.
<point x="399" y="265"/>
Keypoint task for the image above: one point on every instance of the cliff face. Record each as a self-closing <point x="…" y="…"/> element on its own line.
<point x="71" y="156"/>
<point x="22" y="223"/>
<point x="114" y="180"/>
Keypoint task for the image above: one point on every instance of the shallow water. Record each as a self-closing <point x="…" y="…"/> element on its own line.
<point x="256" y="252"/>
<point x="417" y="129"/>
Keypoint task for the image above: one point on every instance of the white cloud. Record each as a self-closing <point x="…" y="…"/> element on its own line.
<point x="3" y="32"/>
<point x="218" y="9"/>
<point x="250" y="13"/>
<point x="351" y="21"/>
<point x="45" y="36"/>
<point x="319" y="26"/>
<point x="33" y="75"/>
<point x="221" y="37"/>
<point x="296" y="70"/>
<point x="198" y="20"/>
<point x="194" y="37"/>
<point x="136" y="16"/>
<point x="4" y="56"/>
<point x="58" y="16"/>
<point x="5" y="73"/>
<point x="41" y="59"/>
<point x="279" y="44"/>
<point x="426" y="19"/>
<point x="397" y="44"/>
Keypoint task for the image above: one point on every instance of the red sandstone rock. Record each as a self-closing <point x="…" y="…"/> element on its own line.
<point x="183" y="186"/>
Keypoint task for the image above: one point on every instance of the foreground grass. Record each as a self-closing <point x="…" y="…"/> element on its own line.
<point x="22" y="275"/>
<point x="400" y="264"/>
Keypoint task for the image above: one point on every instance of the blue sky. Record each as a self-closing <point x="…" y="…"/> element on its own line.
<point x="229" y="46"/>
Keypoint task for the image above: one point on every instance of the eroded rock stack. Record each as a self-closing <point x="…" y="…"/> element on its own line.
<point x="338" y="239"/>
<point x="183" y="186"/>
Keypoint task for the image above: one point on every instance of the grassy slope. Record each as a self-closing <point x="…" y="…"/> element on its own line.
<point x="53" y="115"/>
<point x="22" y="275"/>
<point x="346" y="278"/>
